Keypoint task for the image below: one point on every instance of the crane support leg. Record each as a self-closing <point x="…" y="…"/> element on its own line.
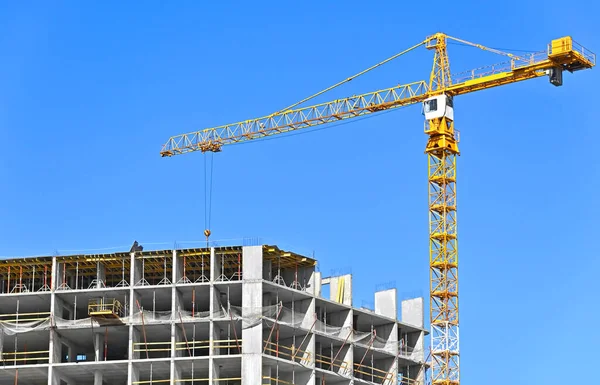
<point x="442" y="150"/>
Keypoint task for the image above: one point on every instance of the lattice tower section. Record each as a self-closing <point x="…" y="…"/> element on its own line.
<point x="442" y="151"/>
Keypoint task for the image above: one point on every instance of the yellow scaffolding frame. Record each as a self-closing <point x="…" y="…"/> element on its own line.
<point x="38" y="355"/>
<point x="379" y="374"/>
<point x="165" y="346"/>
<point x="186" y="379"/>
<point x="277" y="381"/>
<point x="23" y="273"/>
<point x="340" y="364"/>
<point x="25" y="317"/>
<point x="105" y="308"/>
<point x="288" y="352"/>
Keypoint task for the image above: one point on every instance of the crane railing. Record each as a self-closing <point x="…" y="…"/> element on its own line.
<point x="576" y="48"/>
<point x="506" y="66"/>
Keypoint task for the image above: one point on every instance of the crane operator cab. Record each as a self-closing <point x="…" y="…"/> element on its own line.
<point x="438" y="106"/>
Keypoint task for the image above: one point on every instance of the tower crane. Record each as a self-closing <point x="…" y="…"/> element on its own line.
<point x="436" y="96"/>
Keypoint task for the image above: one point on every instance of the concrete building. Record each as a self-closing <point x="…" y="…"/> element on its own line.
<point x="227" y="315"/>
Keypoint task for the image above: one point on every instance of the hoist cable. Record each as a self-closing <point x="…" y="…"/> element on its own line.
<point x="212" y="162"/>
<point x="208" y="181"/>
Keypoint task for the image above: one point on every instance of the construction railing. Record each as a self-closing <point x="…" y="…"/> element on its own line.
<point x="372" y="374"/>
<point x="291" y="352"/>
<point x="168" y="381"/>
<point x="337" y="366"/>
<point x="152" y="347"/>
<point x="105" y="307"/>
<point x="402" y="380"/>
<point x="22" y="358"/>
<point x="206" y="344"/>
<point x="24" y="317"/>
<point x="190" y="346"/>
<point x="275" y="381"/>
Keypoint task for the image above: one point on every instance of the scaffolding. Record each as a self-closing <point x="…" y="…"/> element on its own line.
<point x="26" y="275"/>
<point x="200" y="379"/>
<point x="230" y="266"/>
<point x="84" y="272"/>
<point x="282" y="262"/>
<point x="22" y="357"/>
<point x="105" y="308"/>
<point x="156" y="268"/>
<point x="196" y="266"/>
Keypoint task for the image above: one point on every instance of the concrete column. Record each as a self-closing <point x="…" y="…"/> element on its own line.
<point x="311" y="281"/>
<point x="304" y="378"/>
<point x="51" y="344"/>
<point x="419" y="352"/>
<point x="98" y="347"/>
<point x="177" y="268"/>
<point x="174" y="305"/>
<point x="137" y="273"/>
<point x="252" y="339"/>
<point x="386" y="303"/>
<point x="214" y="335"/>
<point x="54" y="357"/>
<point x="53" y="274"/>
<point x="134" y="374"/>
<point x="55" y="353"/>
<point x="211" y="272"/>
<point x="58" y="307"/>
<point x="71" y="352"/>
<point x="215" y="265"/>
<point x="268" y="270"/>
<point x="317" y="283"/>
<point x="412" y="313"/>
<point x="311" y="350"/>
<point x="132" y="335"/>
<point x="348" y="356"/>
<point x="175" y="373"/>
<point x="100" y="275"/>
<point x="53" y="377"/>
<point x="214" y="372"/>
<point x="97" y="377"/>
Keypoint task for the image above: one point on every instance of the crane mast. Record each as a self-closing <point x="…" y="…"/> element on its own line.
<point x="437" y="96"/>
<point x="442" y="150"/>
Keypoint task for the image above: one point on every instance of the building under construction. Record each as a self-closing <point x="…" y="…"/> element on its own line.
<point x="222" y="315"/>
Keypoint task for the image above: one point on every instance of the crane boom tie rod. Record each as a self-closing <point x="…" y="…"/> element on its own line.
<point x="351" y="77"/>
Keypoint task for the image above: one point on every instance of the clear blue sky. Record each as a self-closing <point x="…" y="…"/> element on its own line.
<point x="88" y="94"/>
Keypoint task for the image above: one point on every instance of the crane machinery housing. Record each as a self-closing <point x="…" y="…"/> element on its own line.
<point x="436" y="95"/>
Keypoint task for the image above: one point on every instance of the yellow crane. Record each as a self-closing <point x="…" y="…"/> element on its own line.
<point x="437" y="94"/>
